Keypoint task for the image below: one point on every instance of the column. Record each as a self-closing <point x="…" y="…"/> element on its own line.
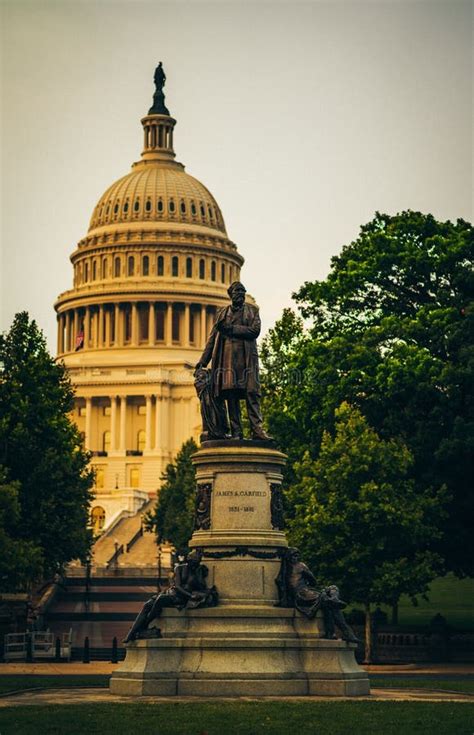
<point x="123" y="423"/>
<point x="203" y="332"/>
<point x="169" y="324"/>
<point x="100" y="318"/>
<point x="68" y="331"/>
<point x="76" y="328"/>
<point x="134" y="340"/>
<point x="88" y="437"/>
<point x="151" y="323"/>
<point x="95" y="330"/>
<point x="87" y="334"/>
<point x="185" y="341"/>
<point x="92" y="328"/>
<point x="108" y="316"/>
<point x="148" y="424"/>
<point x="60" y="326"/>
<point x="113" y="423"/>
<point x="158" y="421"/>
<point x="210" y="320"/>
<point x="117" y="326"/>
<point x="165" y="403"/>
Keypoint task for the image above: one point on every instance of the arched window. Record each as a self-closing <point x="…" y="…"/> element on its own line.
<point x="202" y="268"/>
<point x="97" y="519"/>
<point x="134" y="477"/>
<point x="104" y="268"/>
<point x="146" y="265"/>
<point x="189" y="267"/>
<point x="222" y="272"/>
<point x="94" y="270"/>
<point x="160" y="265"/>
<point x="213" y="270"/>
<point x="183" y="207"/>
<point x="175" y="266"/>
<point x="106" y="441"/>
<point x="193" y="208"/>
<point x="171" y="206"/>
<point x="141" y="439"/>
<point x="86" y="272"/>
<point x="117" y="267"/>
<point x="131" y="265"/>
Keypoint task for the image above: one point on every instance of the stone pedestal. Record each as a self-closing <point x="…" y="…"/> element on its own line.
<point x="246" y="646"/>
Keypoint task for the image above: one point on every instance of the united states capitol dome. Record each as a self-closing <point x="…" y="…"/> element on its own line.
<point x="158" y="196"/>
<point x="156" y="192"/>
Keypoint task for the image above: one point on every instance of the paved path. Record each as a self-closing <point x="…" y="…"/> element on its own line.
<point x="102" y="696"/>
<point x="104" y="667"/>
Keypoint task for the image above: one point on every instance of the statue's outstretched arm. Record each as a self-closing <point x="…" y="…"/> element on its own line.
<point x="308" y="575"/>
<point x="178" y="584"/>
<point x="207" y="353"/>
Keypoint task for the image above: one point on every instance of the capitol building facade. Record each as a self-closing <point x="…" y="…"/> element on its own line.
<point x="149" y="278"/>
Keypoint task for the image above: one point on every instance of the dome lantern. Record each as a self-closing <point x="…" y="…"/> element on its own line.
<point x="158" y="124"/>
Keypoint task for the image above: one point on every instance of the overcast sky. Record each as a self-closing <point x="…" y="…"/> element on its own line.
<point x="302" y="119"/>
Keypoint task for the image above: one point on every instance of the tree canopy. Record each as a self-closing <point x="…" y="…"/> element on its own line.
<point x="20" y="560"/>
<point x="44" y="463"/>
<point x="359" y="520"/>
<point x="391" y="331"/>
<point x="173" y="516"/>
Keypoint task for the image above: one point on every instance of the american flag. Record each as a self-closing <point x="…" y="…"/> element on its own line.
<point x="80" y="339"/>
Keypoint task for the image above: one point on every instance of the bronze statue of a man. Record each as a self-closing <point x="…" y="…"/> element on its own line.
<point x="232" y="347"/>
<point x="297" y="588"/>
<point x="158" y="107"/>
<point x="189" y="590"/>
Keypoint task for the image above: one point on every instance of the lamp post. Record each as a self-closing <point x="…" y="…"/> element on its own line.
<point x="158" y="582"/>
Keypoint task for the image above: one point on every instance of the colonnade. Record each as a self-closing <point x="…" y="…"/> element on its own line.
<point x="157" y="422"/>
<point x="134" y="324"/>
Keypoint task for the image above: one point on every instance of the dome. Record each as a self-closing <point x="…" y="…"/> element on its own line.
<point x="158" y="191"/>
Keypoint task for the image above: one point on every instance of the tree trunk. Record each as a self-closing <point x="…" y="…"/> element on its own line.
<point x="368" y="634"/>
<point x="395" y="613"/>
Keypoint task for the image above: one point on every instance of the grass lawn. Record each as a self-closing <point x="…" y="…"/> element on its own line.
<point x="465" y="686"/>
<point x="452" y="597"/>
<point x="242" y="718"/>
<point x="17" y="682"/>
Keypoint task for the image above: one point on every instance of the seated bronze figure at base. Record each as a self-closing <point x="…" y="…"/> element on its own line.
<point x="188" y="590"/>
<point x="296" y="586"/>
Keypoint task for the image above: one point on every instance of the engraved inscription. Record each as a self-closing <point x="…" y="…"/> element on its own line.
<point x="242" y="493"/>
<point x="241" y="509"/>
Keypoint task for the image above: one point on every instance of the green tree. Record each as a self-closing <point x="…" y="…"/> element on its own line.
<point x="391" y="331"/>
<point x="173" y="515"/>
<point x="41" y="448"/>
<point x="21" y="561"/>
<point x="360" y="522"/>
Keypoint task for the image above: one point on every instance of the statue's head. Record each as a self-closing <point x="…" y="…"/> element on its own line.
<point x="237" y="293"/>
<point x="293" y="554"/>
<point x="194" y="558"/>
